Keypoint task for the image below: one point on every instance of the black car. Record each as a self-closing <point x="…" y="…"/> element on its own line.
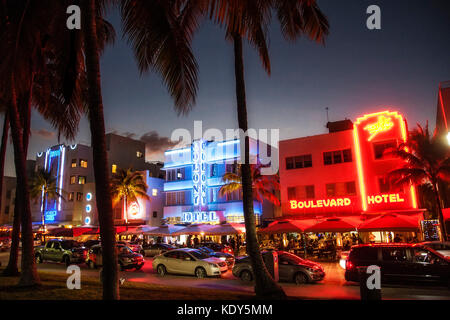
<point x="291" y="268"/>
<point x="399" y="263"/>
<point x="89" y="243"/>
<point x="217" y="247"/>
<point x="227" y="257"/>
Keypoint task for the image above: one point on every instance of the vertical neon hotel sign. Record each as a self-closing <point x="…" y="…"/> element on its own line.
<point x="51" y="209"/>
<point x="376" y="124"/>
<point x="199" y="175"/>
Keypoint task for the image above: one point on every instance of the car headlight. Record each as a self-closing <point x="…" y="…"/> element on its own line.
<point x="214" y="265"/>
<point x="223" y="258"/>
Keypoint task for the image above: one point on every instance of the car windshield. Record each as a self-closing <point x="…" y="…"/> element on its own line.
<point x="440" y="246"/>
<point x="206" y="250"/>
<point x="124" y="249"/>
<point x="198" y="254"/>
<point x="70" y="244"/>
<point x="291" y="258"/>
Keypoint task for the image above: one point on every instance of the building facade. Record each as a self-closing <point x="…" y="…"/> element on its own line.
<point x="194" y="178"/>
<point x="72" y="166"/>
<point x="343" y="172"/>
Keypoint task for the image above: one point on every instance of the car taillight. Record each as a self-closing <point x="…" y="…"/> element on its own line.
<point x="349" y="265"/>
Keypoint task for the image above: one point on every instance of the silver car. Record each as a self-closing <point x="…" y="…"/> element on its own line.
<point x="190" y="262"/>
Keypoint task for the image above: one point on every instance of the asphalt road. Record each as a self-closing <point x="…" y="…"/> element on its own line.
<point x="334" y="285"/>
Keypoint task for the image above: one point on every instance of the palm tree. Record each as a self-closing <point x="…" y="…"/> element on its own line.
<point x="427" y="162"/>
<point x="43" y="185"/>
<point x="250" y="20"/>
<point x="263" y="186"/>
<point x="128" y="186"/>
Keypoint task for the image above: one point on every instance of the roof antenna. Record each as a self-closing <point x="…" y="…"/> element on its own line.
<point x="328" y="118"/>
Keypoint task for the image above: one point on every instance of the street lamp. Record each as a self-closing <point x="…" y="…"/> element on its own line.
<point x="448" y="138"/>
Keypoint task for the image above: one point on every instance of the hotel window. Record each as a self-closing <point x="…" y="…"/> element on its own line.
<point x="155" y="214"/>
<point x="232" y="167"/>
<point x="387" y="187"/>
<point x="292" y="195"/>
<point x="139" y="154"/>
<point x="74" y="163"/>
<point x="341" y="189"/>
<point x="79" y="196"/>
<point x="154" y="192"/>
<point x="71" y="195"/>
<point x="73" y="179"/>
<point x="81" y="179"/>
<point x="301" y="193"/>
<point x="83" y="163"/>
<point x="214" y="170"/>
<point x="114" y="168"/>
<point x="180" y="174"/>
<point x="381" y="148"/>
<point x="336" y="157"/>
<point x="234" y="196"/>
<point x="299" y="162"/>
<point x="175" y="198"/>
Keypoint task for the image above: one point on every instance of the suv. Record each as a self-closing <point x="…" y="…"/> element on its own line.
<point x="291" y="268"/>
<point x="67" y="251"/>
<point x="156" y="249"/>
<point x="126" y="257"/>
<point x="399" y="263"/>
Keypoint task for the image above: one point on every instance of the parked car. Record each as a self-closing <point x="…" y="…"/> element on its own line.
<point x="5" y="244"/>
<point x="227" y="257"/>
<point x="126" y="257"/>
<point x="89" y="243"/>
<point x="156" y="249"/>
<point x="136" y="247"/>
<point x="291" y="268"/>
<point x="67" y="251"/>
<point x="441" y="247"/>
<point x="399" y="263"/>
<point x="217" y="247"/>
<point x="190" y="262"/>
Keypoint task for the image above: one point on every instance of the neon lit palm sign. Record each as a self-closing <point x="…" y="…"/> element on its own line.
<point x="134" y="209"/>
<point x="383" y="124"/>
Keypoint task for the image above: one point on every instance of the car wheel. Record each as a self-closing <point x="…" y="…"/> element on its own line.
<point x="161" y="269"/>
<point x="39" y="258"/>
<point x="200" y="273"/>
<point x="139" y="267"/>
<point x="66" y="260"/>
<point x="300" y="278"/>
<point x="121" y="267"/>
<point x="246" y="276"/>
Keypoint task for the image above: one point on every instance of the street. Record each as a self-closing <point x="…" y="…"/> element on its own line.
<point x="333" y="287"/>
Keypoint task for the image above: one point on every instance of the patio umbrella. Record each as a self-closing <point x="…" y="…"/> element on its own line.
<point x="194" y="229"/>
<point x="392" y="222"/>
<point x="227" y="229"/>
<point x="335" y="225"/>
<point x="288" y="226"/>
<point x="163" y="231"/>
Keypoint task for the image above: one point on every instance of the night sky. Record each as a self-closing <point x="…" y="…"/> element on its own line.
<point x="357" y="71"/>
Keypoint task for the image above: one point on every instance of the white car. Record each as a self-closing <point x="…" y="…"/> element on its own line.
<point x="441" y="247"/>
<point x="189" y="262"/>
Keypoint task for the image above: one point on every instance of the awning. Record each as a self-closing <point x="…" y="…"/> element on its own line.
<point x="69" y="232"/>
<point x="226" y="229"/>
<point x="163" y="231"/>
<point x="392" y="222"/>
<point x="343" y="224"/>
<point x="446" y="213"/>
<point x="194" y="229"/>
<point x="288" y="226"/>
<point x="139" y="230"/>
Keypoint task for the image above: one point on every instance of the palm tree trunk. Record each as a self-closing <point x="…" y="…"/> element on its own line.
<point x="440" y="213"/>
<point x="29" y="275"/>
<point x="12" y="269"/>
<point x="265" y="286"/>
<point x="98" y="142"/>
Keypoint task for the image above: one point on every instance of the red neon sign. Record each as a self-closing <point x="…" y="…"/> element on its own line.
<point x="383" y="124"/>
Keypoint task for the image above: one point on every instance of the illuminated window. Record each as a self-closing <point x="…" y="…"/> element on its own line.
<point x="83" y="163"/>
<point x="176" y="198"/>
<point x="299" y="162"/>
<point x="71" y="196"/>
<point x="139" y="154"/>
<point x="336" y="157"/>
<point x="81" y="180"/>
<point x="74" y="163"/>
<point x="79" y="196"/>
<point x="114" y="168"/>
<point x="154" y="192"/>
<point x="382" y="148"/>
<point x="73" y="179"/>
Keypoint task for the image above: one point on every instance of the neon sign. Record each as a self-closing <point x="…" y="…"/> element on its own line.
<point x="383" y="124"/>
<point x="199" y="173"/>
<point x="328" y="203"/>
<point x="134" y="209"/>
<point x="199" y="217"/>
<point x="345" y="202"/>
